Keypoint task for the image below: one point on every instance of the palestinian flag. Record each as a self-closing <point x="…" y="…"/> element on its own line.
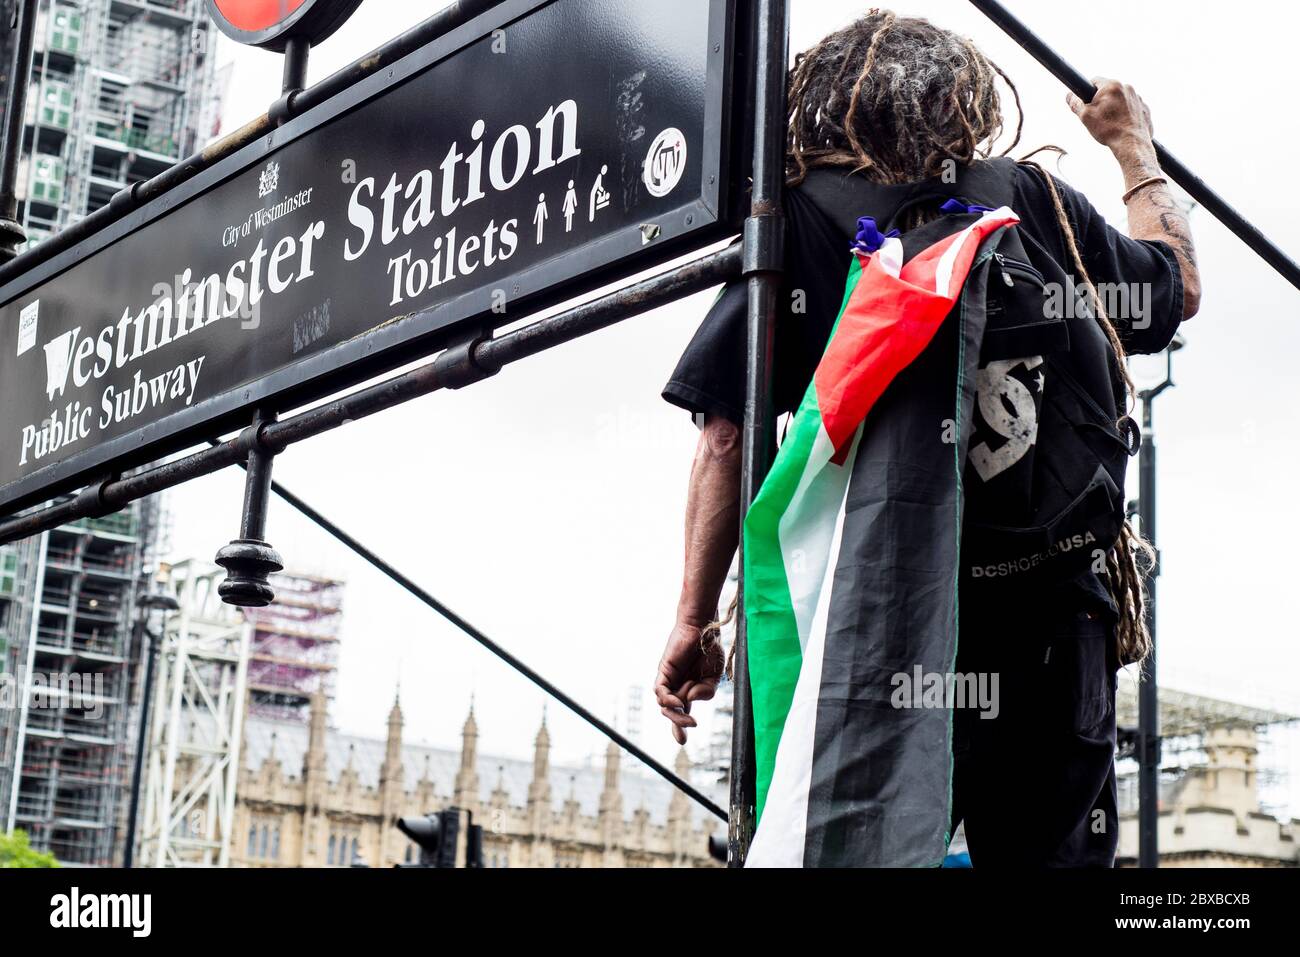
<point x="851" y="564"/>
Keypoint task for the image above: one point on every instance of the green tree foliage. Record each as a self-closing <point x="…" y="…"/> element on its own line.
<point x="16" y="851"/>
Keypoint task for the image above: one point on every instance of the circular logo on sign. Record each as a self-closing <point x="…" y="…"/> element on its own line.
<point x="666" y="162"/>
<point x="270" y="23"/>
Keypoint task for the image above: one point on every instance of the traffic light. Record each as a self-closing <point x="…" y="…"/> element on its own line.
<point x="447" y="838"/>
<point x="718" y="848"/>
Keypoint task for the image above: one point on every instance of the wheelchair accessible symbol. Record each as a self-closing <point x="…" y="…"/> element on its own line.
<point x="665" y="163"/>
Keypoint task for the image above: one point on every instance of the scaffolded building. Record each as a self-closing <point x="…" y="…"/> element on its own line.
<point x="195" y="727"/>
<point x="120" y="91"/>
<point x="68" y="606"/>
<point x="216" y="664"/>
<point x="295" y="646"/>
<point x="1221" y="762"/>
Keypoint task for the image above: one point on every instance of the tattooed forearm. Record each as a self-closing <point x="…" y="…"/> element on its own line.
<point x="1119" y="120"/>
<point x="1178" y="235"/>
<point x="1161" y="199"/>
<point x="1154" y="215"/>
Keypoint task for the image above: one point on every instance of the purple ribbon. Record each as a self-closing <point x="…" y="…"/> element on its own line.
<point x="957" y="206"/>
<point x="870" y="238"/>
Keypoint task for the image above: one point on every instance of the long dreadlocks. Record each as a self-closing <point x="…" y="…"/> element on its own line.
<point x="893" y="98"/>
<point x="898" y="100"/>
<point x="1132" y="557"/>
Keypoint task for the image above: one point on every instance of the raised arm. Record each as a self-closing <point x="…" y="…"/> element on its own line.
<point x="690" y="669"/>
<point x="1118" y="119"/>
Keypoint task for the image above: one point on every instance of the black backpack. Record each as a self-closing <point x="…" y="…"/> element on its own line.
<point x="1044" y="476"/>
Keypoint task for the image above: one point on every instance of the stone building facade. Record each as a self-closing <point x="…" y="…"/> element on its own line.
<point x="1210" y="814"/>
<point x="313" y="797"/>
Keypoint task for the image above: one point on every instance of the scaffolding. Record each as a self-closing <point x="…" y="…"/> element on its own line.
<point x="118" y="94"/>
<point x="18" y="583"/>
<point x="196" y="726"/>
<point x="295" y="646"/>
<point x="1190" y="726"/>
<point x="68" y="740"/>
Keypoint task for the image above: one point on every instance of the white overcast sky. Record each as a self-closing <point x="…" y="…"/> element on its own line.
<point x="545" y="505"/>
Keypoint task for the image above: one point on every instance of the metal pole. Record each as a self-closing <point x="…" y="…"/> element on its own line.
<point x="142" y="737"/>
<point x="294" y="76"/>
<point x="763" y="263"/>
<point x="23" y="24"/>
<point x="293" y="79"/>
<point x="1148" y="739"/>
<point x="1148" y="743"/>
<point x="148" y="603"/>
<point x="250" y="559"/>
<point x="1180" y="174"/>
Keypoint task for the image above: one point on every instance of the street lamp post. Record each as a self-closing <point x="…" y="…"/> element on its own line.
<point x="1148" y="741"/>
<point x="147" y="606"/>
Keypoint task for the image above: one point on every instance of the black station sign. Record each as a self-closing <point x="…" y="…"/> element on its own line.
<point x="541" y="150"/>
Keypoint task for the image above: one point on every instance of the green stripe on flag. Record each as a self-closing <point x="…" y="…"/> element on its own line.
<point x="774" y="650"/>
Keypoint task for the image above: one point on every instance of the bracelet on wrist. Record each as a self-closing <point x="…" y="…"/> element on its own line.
<point x="1149" y="181"/>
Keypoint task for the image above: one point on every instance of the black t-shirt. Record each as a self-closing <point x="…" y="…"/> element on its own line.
<point x="821" y="221"/>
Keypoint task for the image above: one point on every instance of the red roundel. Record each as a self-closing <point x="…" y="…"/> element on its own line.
<point x="253" y="15"/>
<point x="271" y="23"/>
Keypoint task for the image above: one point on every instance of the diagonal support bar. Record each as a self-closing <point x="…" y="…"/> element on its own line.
<point x="1217" y="206"/>
<point x="424" y="596"/>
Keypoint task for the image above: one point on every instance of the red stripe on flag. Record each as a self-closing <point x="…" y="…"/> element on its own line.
<point x="886" y="323"/>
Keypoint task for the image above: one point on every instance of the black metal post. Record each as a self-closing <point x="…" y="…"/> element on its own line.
<point x="1180" y="174"/>
<point x="12" y="234"/>
<point x="249" y="560"/>
<point x="142" y="740"/>
<point x="293" y="79"/>
<point x="132" y="815"/>
<point x="294" y="76"/>
<point x="1148" y="739"/>
<point x="763" y="263"/>
<point x="148" y="603"/>
<point x="1148" y="697"/>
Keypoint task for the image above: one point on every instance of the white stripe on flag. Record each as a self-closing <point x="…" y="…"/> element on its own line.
<point x="943" y="273"/>
<point x="804" y="534"/>
<point x="779" y="840"/>
<point x="890" y="256"/>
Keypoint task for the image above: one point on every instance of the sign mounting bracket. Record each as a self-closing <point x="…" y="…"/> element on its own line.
<point x="249" y="560"/>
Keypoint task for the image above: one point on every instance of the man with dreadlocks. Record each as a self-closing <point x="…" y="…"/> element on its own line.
<point x="887" y="118"/>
